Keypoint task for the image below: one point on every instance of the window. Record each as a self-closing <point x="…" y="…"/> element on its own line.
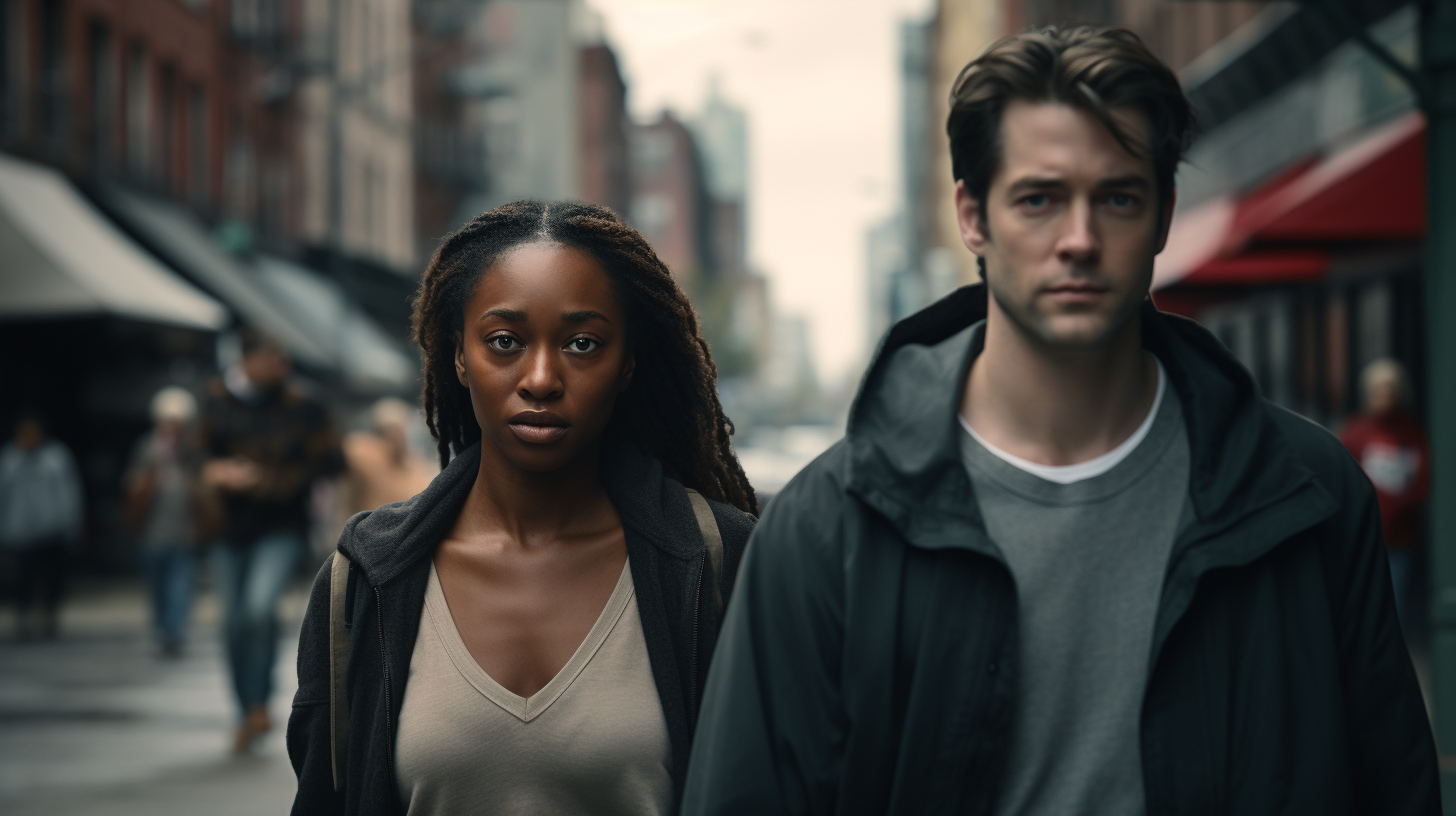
<point x="103" y="98"/>
<point x="197" y="146"/>
<point x="54" y="96"/>
<point x="12" y="61"/>
<point x="167" y="154"/>
<point x="138" y="113"/>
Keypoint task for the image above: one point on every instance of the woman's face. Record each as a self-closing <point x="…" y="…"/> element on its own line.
<point x="544" y="354"/>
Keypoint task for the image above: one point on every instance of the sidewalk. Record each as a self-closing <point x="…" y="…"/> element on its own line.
<point x="96" y="723"/>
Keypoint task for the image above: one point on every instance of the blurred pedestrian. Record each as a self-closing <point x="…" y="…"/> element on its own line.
<point x="384" y="467"/>
<point x="164" y="508"/>
<point x="1388" y="442"/>
<point x="264" y="440"/>
<point x="41" y="516"/>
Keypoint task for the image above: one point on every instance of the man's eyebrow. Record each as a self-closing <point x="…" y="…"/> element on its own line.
<point x="1129" y="180"/>
<point x="513" y="315"/>
<point x="583" y="316"/>
<point x="1036" y="183"/>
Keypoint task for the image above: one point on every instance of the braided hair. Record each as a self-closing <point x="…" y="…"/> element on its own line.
<point x="670" y="410"/>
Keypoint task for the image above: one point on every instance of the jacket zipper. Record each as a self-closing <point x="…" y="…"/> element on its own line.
<point x="697" y="604"/>
<point x="388" y="695"/>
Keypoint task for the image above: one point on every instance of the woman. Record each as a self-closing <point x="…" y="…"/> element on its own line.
<point x="531" y="633"/>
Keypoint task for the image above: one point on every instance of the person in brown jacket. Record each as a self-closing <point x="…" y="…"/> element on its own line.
<point x="265" y="440"/>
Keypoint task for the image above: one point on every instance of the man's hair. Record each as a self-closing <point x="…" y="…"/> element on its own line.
<point x="252" y="340"/>
<point x="671" y="409"/>
<point x="1092" y="68"/>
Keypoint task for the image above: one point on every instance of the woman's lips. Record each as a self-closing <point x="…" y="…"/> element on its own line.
<point x="538" y="434"/>
<point x="538" y="428"/>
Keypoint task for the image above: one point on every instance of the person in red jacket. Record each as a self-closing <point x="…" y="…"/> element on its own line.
<point x="1387" y="440"/>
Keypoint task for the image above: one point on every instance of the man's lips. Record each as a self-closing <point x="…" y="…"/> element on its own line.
<point x="1075" y="291"/>
<point x="538" y="427"/>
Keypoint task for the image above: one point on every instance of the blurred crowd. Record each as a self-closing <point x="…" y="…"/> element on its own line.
<point x="238" y="479"/>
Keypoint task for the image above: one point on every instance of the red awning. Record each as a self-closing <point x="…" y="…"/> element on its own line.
<point x="1372" y="190"/>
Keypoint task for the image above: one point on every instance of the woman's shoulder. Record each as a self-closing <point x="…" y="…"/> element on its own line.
<point x="734" y="525"/>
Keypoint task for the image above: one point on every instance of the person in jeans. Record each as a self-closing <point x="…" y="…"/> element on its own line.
<point x="1067" y="559"/>
<point x="265" y="440"/>
<point x="163" y="508"/>
<point x="41" y="515"/>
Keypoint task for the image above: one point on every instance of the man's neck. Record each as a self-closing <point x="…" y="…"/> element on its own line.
<point x="1054" y="406"/>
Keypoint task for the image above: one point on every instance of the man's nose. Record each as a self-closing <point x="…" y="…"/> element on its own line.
<point x="1079" y="241"/>
<point x="541" y="378"/>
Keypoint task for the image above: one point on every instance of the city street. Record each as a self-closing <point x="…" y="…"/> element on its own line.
<point x="96" y="722"/>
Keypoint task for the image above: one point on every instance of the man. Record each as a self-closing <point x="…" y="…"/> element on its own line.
<point x="265" y="441"/>
<point x="41" y="514"/>
<point x="1387" y="440"/>
<point x="1066" y="560"/>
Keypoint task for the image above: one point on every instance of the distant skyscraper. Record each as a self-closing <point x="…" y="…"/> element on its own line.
<point x="721" y="131"/>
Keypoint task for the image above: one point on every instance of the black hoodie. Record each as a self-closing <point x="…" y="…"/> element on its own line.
<point x="868" y="658"/>
<point x="390" y="550"/>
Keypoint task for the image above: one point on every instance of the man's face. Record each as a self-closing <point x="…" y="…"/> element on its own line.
<point x="29" y="435"/>
<point x="267" y="366"/>
<point x="1069" y="227"/>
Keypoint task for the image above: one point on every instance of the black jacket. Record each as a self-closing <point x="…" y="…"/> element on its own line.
<point x="390" y="549"/>
<point x="868" y="657"/>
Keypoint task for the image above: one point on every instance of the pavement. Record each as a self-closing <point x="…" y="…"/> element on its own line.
<point x="97" y="722"/>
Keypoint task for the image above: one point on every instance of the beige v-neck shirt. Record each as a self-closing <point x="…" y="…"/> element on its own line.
<point x="592" y="741"/>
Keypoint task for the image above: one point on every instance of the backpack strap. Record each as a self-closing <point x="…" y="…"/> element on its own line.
<point x="338" y="668"/>
<point x="714" y="540"/>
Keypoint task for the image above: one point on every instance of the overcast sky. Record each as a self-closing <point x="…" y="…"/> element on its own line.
<point x="820" y="82"/>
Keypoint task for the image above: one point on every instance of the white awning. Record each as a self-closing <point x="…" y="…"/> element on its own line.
<point x="60" y="257"/>
<point x="369" y="358"/>
<point x="179" y="237"/>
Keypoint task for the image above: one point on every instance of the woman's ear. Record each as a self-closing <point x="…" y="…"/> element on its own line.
<point x="625" y="378"/>
<point x="460" y="360"/>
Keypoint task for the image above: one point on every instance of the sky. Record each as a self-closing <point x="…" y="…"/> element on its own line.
<point x="819" y="80"/>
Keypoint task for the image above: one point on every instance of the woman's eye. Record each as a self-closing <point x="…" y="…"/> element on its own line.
<point x="582" y="344"/>
<point x="503" y="342"/>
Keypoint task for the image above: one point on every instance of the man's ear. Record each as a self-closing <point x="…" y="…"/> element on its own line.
<point x="625" y="379"/>
<point x="971" y="218"/>
<point x="460" y="360"/>
<point x="1165" y="220"/>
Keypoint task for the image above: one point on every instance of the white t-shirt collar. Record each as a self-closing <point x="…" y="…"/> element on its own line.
<point x="1066" y="474"/>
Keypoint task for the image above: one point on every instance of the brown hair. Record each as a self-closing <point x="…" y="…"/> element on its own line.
<point x="1092" y="68"/>
<point x="671" y="409"/>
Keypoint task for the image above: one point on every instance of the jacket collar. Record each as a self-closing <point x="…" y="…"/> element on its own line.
<point x="385" y="542"/>
<point x="905" y="457"/>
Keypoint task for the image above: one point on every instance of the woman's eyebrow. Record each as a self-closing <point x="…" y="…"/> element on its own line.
<point x="583" y="316"/>
<point x="513" y="315"/>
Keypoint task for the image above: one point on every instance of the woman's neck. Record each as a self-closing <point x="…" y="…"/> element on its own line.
<point x="531" y="506"/>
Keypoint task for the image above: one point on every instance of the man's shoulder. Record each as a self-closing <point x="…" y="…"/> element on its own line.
<point x="1321" y="452"/>
<point x="814" y="501"/>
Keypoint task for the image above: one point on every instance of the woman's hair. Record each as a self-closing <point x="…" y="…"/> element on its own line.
<point x="670" y="410"/>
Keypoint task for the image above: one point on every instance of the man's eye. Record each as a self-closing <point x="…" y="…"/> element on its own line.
<point x="583" y="344"/>
<point x="503" y="342"/>
<point x="1035" y="201"/>
<point x="1121" y="202"/>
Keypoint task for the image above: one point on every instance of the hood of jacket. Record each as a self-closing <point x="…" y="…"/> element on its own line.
<point x="905" y="459"/>
<point x="385" y="542"/>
